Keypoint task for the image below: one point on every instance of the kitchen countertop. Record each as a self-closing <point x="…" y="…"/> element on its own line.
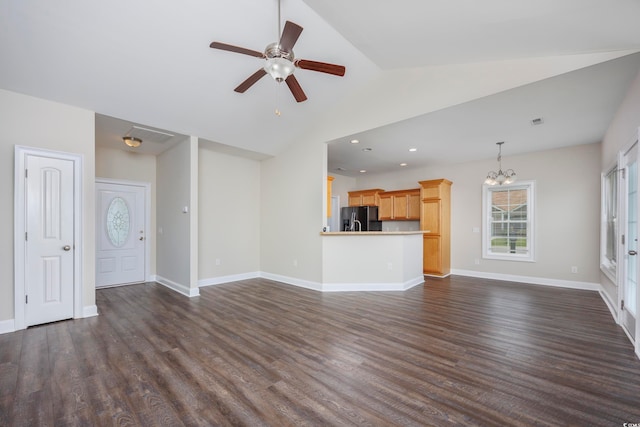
<point x="371" y="233"/>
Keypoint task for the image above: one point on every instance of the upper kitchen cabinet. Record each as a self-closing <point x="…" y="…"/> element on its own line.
<point x="435" y="221"/>
<point x="365" y="197"/>
<point x="400" y="205"/>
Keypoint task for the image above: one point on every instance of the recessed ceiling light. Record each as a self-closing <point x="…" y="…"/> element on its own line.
<point x="403" y="164"/>
<point x="367" y="149"/>
<point x="413" y="149"/>
<point x="354" y="141"/>
<point x="340" y="169"/>
<point x="537" y="121"/>
<point x="362" y="170"/>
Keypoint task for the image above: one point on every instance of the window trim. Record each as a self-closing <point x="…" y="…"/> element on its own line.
<point x="486" y="221"/>
<point x="608" y="268"/>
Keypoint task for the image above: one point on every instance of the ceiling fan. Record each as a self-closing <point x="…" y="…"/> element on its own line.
<point x="280" y="61"/>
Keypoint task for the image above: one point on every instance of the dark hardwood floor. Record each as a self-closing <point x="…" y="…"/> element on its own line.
<point x="456" y="351"/>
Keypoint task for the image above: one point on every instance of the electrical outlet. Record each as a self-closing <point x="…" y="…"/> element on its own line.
<point x="389" y="266"/>
<point x="476" y="261"/>
<point x="295" y="262"/>
<point x="217" y="261"/>
<point x="574" y="269"/>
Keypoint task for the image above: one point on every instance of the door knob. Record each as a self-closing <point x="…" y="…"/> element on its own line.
<point x="141" y="238"/>
<point x="66" y="247"/>
<point x="633" y="252"/>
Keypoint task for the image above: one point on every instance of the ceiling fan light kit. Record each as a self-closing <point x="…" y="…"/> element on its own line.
<point x="279" y="68"/>
<point x="500" y="177"/>
<point x="280" y="62"/>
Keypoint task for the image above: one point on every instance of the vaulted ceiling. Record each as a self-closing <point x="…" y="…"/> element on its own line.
<point x="149" y="64"/>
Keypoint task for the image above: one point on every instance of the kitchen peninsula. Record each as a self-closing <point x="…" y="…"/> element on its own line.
<point x="371" y="261"/>
<point x="391" y="260"/>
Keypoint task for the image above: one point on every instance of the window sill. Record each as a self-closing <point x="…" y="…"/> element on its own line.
<point x="519" y="258"/>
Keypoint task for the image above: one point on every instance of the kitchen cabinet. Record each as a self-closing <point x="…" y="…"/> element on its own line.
<point x="329" y="185"/>
<point x="435" y="221"/>
<point x="399" y="205"/>
<point x="364" y="197"/>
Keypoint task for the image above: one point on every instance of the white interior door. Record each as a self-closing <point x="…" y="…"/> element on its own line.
<point x="120" y="233"/>
<point x="629" y="288"/>
<point x="49" y="262"/>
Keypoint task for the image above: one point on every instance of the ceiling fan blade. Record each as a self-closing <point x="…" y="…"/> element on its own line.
<point x="323" y="67"/>
<point x="231" y="48"/>
<point x="295" y="88"/>
<point x="289" y="36"/>
<point x="251" y="80"/>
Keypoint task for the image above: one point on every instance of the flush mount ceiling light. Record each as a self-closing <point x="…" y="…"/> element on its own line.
<point x="500" y="177"/>
<point x="131" y="141"/>
<point x="413" y="150"/>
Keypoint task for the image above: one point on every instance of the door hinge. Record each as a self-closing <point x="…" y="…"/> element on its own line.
<point x="26" y="299"/>
<point x="622" y="239"/>
<point x="26" y="173"/>
<point x="621" y="304"/>
<point x="25" y="236"/>
<point x="624" y="173"/>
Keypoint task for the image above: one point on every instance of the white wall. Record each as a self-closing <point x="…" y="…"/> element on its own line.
<point x="622" y="132"/>
<point x="341" y="186"/>
<point x="34" y="122"/>
<point x="229" y="215"/>
<point x="126" y="165"/>
<point x="293" y="213"/>
<point x="173" y="237"/>
<point x="567" y="211"/>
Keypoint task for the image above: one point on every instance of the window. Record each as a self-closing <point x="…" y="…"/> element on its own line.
<point x="507" y="231"/>
<point x="609" y="226"/>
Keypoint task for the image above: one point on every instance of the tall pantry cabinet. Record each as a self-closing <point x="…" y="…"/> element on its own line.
<point x="435" y="221"/>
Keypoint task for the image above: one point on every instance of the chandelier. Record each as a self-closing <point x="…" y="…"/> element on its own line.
<point x="500" y="177"/>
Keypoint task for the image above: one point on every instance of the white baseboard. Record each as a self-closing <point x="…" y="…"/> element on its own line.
<point x="587" y="286"/>
<point x="292" y="281"/>
<point x="372" y="287"/>
<point x="344" y="287"/>
<point x="227" y="279"/>
<point x="181" y="289"/>
<point x="7" y="326"/>
<point x="610" y="304"/>
<point x="89" y="311"/>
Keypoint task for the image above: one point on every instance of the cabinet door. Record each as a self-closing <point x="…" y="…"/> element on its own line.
<point x="355" y="200"/>
<point x="369" y="200"/>
<point x="385" y="211"/>
<point x="432" y="255"/>
<point x="329" y="185"/>
<point x="400" y="207"/>
<point x="431" y="210"/>
<point x="413" y="203"/>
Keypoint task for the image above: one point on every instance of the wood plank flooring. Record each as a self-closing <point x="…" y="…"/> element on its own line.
<point x="455" y="351"/>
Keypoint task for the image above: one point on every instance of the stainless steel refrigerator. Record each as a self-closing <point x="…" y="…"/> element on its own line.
<point x="360" y="218"/>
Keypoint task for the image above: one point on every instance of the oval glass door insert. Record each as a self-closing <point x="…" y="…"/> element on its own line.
<point x="118" y="222"/>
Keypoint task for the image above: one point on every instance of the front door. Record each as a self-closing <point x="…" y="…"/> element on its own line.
<point x="120" y="233"/>
<point x="49" y="219"/>
<point x="628" y="310"/>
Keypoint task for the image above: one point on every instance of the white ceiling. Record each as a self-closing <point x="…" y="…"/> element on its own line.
<point x="149" y="64"/>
